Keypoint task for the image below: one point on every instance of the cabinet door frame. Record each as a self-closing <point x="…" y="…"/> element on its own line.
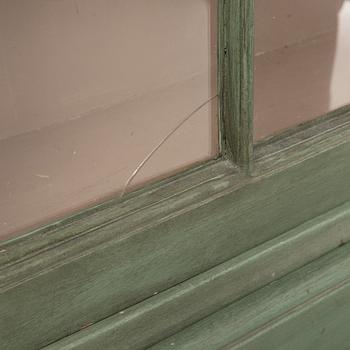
<point x="119" y="266"/>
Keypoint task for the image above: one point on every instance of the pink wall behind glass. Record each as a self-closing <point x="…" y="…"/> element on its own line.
<point x="302" y="50"/>
<point x="88" y="88"/>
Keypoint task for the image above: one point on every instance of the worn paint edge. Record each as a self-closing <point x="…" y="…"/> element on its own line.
<point x="181" y="229"/>
<point x="77" y="226"/>
<point x="143" y="324"/>
<point x="261" y="313"/>
<point x="272" y="158"/>
<point x="235" y="77"/>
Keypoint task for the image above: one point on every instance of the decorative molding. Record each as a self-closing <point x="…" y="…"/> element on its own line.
<point x="118" y="255"/>
<point x="144" y="324"/>
<point x="307" y="309"/>
<point x="235" y="60"/>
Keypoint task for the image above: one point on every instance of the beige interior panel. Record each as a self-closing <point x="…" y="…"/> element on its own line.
<point x="88" y="88"/>
<point x="302" y="55"/>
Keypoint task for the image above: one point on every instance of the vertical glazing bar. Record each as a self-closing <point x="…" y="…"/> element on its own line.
<point x="235" y="58"/>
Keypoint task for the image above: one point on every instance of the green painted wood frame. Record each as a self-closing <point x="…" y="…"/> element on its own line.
<point x="131" y="272"/>
<point x="235" y="60"/>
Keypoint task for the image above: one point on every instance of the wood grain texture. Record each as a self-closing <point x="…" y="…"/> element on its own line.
<point x="307" y="309"/>
<point x="94" y="218"/>
<point x="235" y="59"/>
<point x="111" y="276"/>
<point x="192" y="224"/>
<point x="312" y="131"/>
<point x="170" y="311"/>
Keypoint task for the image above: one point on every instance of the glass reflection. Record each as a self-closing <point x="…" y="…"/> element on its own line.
<point x="302" y="54"/>
<point x="88" y="88"/>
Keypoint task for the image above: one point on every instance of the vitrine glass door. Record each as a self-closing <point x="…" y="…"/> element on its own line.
<point x="88" y="88"/>
<point x="302" y="55"/>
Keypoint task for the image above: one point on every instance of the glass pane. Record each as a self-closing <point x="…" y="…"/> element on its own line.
<point x="88" y="88"/>
<point x="302" y="55"/>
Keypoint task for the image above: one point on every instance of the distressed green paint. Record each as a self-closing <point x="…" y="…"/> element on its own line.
<point x="77" y="226"/>
<point x="307" y="309"/>
<point x="187" y="229"/>
<point x="313" y="131"/>
<point x="152" y="320"/>
<point x="235" y="56"/>
<point x="205" y="222"/>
